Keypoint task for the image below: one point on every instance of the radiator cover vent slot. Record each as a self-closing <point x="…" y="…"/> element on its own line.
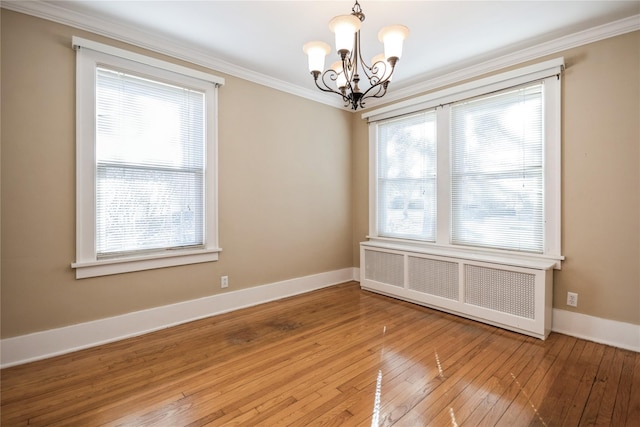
<point x="502" y="290"/>
<point x="433" y="277"/>
<point x="384" y="267"/>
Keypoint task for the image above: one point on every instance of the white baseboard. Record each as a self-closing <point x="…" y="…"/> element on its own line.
<point x="603" y="331"/>
<point x="45" y="344"/>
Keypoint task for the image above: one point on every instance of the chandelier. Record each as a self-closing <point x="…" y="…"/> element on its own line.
<point x="345" y="74"/>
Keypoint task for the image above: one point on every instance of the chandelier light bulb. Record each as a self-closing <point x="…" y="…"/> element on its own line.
<point x="392" y="37"/>
<point x="344" y="27"/>
<point x="316" y="52"/>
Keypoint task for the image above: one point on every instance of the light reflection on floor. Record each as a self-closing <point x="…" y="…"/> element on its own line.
<point x="454" y="423"/>
<point x="440" y="372"/>
<point x="535" y="410"/>
<point x="375" y="419"/>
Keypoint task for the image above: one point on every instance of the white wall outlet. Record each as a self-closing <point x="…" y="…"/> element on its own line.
<point x="572" y="299"/>
<point x="224" y="282"/>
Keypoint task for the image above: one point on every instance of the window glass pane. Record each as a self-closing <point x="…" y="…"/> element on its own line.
<point x="407" y="177"/>
<point x="497" y="171"/>
<point x="150" y="151"/>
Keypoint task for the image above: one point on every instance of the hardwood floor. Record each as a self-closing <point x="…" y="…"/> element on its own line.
<point x="339" y="356"/>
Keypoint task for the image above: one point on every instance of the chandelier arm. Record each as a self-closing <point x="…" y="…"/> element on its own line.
<point x="332" y="75"/>
<point x="378" y="69"/>
<point x="325" y="87"/>
<point x="380" y="91"/>
<point x="365" y="68"/>
<point x="348" y="68"/>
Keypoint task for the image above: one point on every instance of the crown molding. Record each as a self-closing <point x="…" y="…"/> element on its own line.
<point x="445" y="77"/>
<point x="157" y="43"/>
<point x="417" y="85"/>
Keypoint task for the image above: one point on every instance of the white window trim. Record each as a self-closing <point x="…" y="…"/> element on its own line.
<point x="90" y="54"/>
<point x="548" y="71"/>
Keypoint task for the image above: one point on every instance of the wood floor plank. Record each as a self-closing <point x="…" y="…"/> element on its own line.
<point x="622" y="395"/>
<point x="601" y="399"/>
<point x="588" y="363"/>
<point x="633" y="412"/>
<point x="339" y="356"/>
<point x="522" y="410"/>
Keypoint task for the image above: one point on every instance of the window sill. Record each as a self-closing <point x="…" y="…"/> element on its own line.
<point x="85" y="269"/>
<point x="535" y="261"/>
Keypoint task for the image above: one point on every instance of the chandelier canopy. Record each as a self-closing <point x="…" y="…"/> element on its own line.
<point x="344" y="74"/>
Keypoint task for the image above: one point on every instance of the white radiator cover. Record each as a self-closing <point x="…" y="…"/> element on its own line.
<point x="512" y="297"/>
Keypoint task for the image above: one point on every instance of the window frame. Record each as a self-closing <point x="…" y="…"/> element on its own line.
<point x="547" y="72"/>
<point x="89" y="56"/>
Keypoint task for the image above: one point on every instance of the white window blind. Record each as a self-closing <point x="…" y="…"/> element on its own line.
<point x="497" y="170"/>
<point x="406" y="187"/>
<point x="150" y="164"/>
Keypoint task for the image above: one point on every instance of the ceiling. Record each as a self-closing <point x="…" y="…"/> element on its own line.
<point x="265" y="38"/>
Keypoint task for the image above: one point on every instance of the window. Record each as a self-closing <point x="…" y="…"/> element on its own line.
<point x="496" y="176"/>
<point x="471" y="169"/>
<point x="146" y="163"/>
<point x="407" y="177"/>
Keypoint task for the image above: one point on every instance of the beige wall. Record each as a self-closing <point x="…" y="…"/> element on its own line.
<point x="359" y="183"/>
<point x="600" y="180"/>
<point x="284" y="191"/>
<point x="293" y="196"/>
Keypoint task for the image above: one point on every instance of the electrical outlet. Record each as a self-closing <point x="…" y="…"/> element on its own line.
<point x="224" y="282"/>
<point x="572" y="299"/>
